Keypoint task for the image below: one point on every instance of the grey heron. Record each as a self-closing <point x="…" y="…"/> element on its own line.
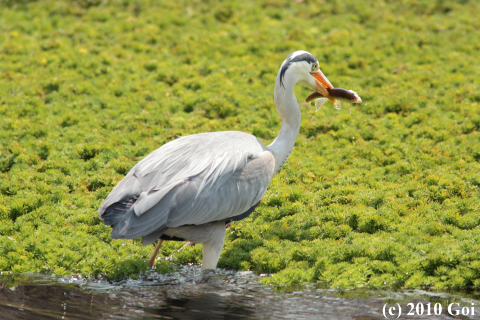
<point x="189" y="188"/>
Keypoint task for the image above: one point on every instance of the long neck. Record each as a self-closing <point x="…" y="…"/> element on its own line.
<point x="289" y="111"/>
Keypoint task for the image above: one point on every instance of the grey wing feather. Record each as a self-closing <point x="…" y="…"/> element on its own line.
<point x="192" y="180"/>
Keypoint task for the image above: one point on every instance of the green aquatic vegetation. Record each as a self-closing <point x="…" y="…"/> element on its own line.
<point x="384" y="194"/>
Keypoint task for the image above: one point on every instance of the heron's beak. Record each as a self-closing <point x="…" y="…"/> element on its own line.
<point x="322" y="83"/>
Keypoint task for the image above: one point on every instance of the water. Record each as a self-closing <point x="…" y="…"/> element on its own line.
<point x="223" y="294"/>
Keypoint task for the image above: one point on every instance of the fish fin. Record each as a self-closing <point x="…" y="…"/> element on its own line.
<point x="305" y="104"/>
<point x="337" y="104"/>
<point x="319" y="103"/>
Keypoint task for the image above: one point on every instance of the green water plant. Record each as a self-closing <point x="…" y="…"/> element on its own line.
<point x="384" y="194"/>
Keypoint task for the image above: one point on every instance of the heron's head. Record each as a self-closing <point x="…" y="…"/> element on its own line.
<point x="307" y="71"/>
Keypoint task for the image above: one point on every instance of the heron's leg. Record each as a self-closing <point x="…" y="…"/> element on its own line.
<point x="151" y="262"/>
<point x="213" y="247"/>
<point x="188" y="244"/>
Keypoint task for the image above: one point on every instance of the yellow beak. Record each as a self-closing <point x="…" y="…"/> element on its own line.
<point x="321" y="82"/>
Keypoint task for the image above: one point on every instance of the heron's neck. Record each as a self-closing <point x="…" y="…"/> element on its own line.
<point x="289" y="111"/>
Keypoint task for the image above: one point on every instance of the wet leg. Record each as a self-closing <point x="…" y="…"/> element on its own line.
<point x="188" y="244"/>
<point x="151" y="262"/>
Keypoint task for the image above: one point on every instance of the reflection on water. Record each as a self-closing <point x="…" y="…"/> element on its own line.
<point x="191" y="294"/>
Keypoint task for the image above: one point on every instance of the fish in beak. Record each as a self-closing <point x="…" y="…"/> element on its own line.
<point x="322" y="83"/>
<point x="324" y="90"/>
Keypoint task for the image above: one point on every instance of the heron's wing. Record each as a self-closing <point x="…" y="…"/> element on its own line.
<point x="190" y="181"/>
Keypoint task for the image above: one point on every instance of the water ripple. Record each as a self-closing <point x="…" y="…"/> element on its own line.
<point x="193" y="294"/>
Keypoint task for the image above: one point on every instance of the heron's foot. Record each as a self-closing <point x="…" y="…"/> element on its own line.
<point x="151" y="262"/>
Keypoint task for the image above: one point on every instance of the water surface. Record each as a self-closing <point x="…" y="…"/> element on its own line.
<point x="223" y="294"/>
